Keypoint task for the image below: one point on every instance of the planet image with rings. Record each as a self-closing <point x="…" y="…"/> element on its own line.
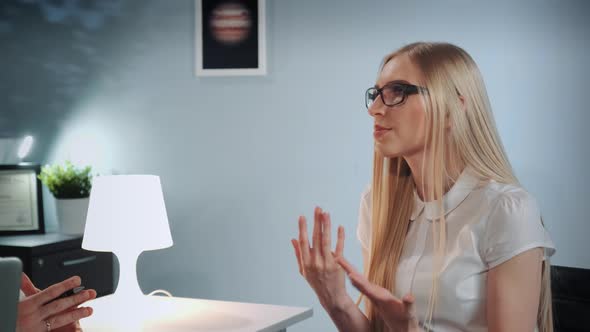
<point x="230" y="23"/>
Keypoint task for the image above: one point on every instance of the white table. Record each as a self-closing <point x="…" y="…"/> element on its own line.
<point x="176" y="314"/>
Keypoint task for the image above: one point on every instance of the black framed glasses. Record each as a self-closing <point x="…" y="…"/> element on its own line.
<point x="392" y="93"/>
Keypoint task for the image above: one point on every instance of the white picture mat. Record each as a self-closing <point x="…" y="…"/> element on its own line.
<point x="18" y="200"/>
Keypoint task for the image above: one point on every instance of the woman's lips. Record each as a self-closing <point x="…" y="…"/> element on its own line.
<point x="380" y="131"/>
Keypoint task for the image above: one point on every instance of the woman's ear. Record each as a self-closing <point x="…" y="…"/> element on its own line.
<point x="462" y="100"/>
<point x="463" y="107"/>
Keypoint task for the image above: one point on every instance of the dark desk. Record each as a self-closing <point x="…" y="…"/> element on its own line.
<point x="53" y="257"/>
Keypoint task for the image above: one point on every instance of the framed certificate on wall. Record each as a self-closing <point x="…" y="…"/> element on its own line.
<point x="21" y="203"/>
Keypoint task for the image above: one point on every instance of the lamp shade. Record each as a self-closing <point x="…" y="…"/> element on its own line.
<point x="126" y="212"/>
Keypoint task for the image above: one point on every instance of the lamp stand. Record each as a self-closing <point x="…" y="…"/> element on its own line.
<point x="127" y="288"/>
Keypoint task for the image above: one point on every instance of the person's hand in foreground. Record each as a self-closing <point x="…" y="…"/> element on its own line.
<point x="38" y="313"/>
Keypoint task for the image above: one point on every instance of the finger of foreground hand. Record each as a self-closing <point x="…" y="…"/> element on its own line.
<point x="297" y="254"/>
<point x="408" y="299"/>
<point x="69" y="317"/>
<point x="317" y="229"/>
<point x="340" y="242"/>
<point x="26" y="285"/>
<point x="357" y="279"/>
<point x="373" y="292"/>
<point x="350" y="270"/>
<point x="56" y="290"/>
<point x="69" y="302"/>
<point x="326" y="235"/>
<point x="410" y="309"/>
<point x="303" y="241"/>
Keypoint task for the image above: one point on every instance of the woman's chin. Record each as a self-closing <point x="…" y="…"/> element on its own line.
<point x="388" y="151"/>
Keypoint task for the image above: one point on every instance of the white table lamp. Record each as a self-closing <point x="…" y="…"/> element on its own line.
<point x="126" y="215"/>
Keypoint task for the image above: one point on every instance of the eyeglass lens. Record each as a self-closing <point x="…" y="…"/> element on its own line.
<point x="391" y="95"/>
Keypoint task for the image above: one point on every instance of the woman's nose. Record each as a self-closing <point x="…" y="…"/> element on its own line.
<point x="377" y="108"/>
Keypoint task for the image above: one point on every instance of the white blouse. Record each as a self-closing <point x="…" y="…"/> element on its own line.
<point x="487" y="224"/>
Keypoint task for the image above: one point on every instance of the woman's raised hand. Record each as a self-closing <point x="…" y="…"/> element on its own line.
<point x="317" y="264"/>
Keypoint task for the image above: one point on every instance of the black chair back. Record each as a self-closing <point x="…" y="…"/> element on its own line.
<point x="570" y="288"/>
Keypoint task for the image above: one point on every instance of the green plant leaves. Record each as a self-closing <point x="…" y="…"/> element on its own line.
<point x="67" y="181"/>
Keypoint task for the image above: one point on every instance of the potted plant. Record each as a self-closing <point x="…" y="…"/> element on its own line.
<point x="71" y="188"/>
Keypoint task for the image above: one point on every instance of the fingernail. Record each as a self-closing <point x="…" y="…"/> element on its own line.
<point x="88" y="311"/>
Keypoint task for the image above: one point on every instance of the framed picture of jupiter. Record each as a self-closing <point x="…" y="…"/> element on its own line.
<point x="230" y="37"/>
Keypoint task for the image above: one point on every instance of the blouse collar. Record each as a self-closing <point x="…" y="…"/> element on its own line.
<point x="451" y="200"/>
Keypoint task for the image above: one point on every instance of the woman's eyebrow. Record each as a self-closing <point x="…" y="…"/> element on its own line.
<point x="393" y="82"/>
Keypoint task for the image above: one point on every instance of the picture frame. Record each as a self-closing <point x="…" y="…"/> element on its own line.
<point x="21" y="200"/>
<point x="230" y="37"/>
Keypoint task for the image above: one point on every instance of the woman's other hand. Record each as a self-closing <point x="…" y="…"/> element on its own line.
<point x="399" y="315"/>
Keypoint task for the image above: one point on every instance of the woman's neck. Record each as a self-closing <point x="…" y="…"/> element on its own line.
<point x="425" y="184"/>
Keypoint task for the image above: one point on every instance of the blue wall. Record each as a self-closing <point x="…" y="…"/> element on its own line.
<point x="241" y="157"/>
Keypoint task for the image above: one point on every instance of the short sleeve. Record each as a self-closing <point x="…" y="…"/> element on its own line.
<point x="363" y="230"/>
<point x="513" y="227"/>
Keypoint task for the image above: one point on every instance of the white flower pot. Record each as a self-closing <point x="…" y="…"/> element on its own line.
<point x="71" y="215"/>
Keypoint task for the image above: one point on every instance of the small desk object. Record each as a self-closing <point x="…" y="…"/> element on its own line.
<point x="178" y="314"/>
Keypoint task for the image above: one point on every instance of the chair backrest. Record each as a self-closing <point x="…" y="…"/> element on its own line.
<point x="570" y="288"/>
<point x="10" y="276"/>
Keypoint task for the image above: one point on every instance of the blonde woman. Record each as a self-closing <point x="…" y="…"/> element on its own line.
<point x="450" y="240"/>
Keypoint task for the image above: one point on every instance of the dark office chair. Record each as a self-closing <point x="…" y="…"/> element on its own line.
<point x="570" y="288"/>
<point x="10" y="271"/>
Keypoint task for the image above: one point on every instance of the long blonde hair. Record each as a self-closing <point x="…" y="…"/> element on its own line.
<point x="448" y="71"/>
